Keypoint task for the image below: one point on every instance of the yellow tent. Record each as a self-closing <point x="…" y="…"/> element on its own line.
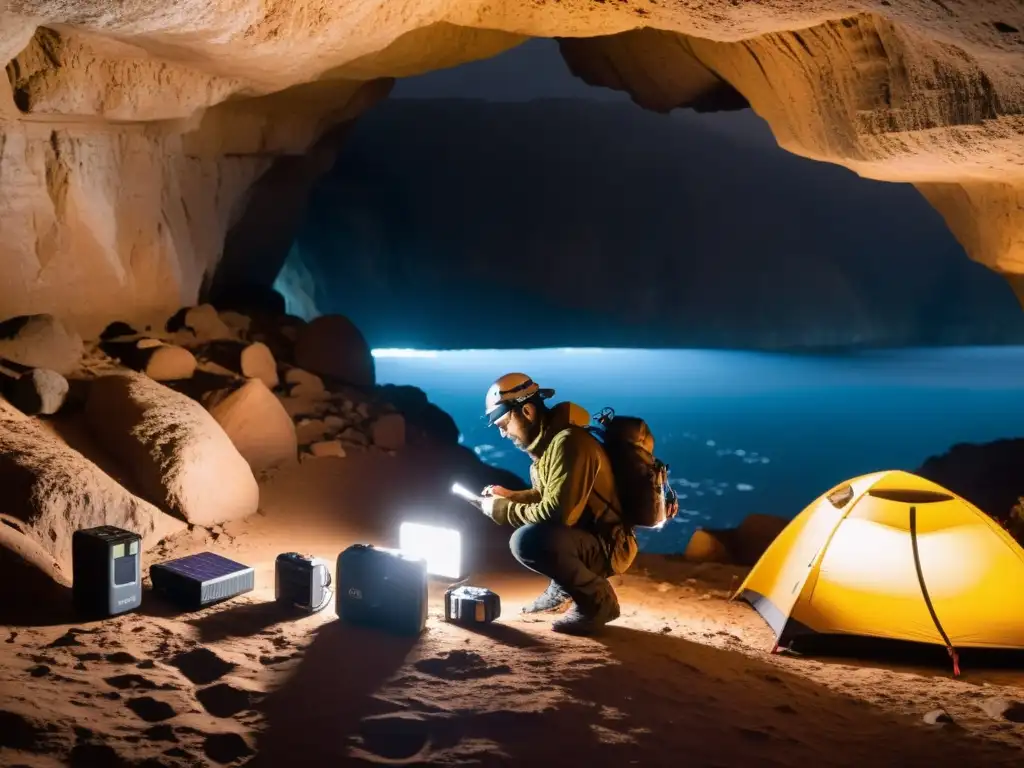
<point x="892" y="555"/>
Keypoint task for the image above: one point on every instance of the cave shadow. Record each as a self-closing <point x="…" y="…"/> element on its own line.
<point x="741" y="698"/>
<point x="201" y="382"/>
<point x="241" y="620"/>
<point x="231" y="617"/>
<point x="36" y="601"/>
<point x="627" y="697"/>
<point x="505" y="634"/>
<point x="904" y="656"/>
<point x="331" y="691"/>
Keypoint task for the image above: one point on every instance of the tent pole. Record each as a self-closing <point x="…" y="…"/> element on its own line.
<point x="927" y="598"/>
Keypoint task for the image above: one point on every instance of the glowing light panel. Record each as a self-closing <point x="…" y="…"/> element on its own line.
<point x="440" y="547"/>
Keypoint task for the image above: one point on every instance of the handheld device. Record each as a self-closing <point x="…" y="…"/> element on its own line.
<point x="464" y="493"/>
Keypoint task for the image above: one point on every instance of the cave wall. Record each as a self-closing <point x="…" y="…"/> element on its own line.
<point x="130" y="136"/>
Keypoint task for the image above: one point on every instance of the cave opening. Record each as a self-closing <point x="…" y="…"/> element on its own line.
<point x="504" y="215"/>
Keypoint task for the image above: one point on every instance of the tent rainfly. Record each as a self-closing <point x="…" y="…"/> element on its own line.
<point x="892" y="555"/>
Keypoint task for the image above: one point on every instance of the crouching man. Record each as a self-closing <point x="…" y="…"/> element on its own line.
<point x="566" y="526"/>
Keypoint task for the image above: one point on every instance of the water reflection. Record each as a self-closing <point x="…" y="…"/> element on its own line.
<point x="745" y="431"/>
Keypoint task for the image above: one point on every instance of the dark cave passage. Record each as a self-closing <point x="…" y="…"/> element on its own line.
<point x="461" y="213"/>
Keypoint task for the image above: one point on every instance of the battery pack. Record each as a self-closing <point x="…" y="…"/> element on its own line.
<point x="107" y="571"/>
<point x="471" y="605"/>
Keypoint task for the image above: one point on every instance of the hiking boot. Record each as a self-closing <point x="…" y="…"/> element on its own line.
<point x="578" y="622"/>
<point x="554" y="599"/>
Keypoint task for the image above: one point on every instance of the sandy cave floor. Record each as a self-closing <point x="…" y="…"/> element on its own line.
<point x="684" y="677"/>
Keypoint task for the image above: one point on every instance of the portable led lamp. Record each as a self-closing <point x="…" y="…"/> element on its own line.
<point x="440" y="547"/>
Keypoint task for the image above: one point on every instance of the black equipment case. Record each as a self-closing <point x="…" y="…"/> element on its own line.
<point x="471" y="605"/>
<point x="382" y="588"/>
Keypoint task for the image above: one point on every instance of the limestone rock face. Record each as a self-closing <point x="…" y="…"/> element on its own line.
<point x="51" y="490"/>
<point x="181" y="458"/>
<point x="130" y="139"/>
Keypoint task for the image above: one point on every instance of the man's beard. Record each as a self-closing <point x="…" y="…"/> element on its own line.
<point x="525" y="443"/>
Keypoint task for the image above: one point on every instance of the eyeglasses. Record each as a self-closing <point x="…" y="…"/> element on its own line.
<point x="502" y="422"/>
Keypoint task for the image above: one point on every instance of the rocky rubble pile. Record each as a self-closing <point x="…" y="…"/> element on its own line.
<point x="178" y="424"/>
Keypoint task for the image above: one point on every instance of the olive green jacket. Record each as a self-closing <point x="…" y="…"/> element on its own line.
<point x="572" y="485"/>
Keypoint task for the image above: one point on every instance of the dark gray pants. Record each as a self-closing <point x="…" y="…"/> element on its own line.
<point x="571" y="557"/>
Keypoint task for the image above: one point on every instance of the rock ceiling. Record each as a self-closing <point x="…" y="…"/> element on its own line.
<point x="131" y="134"/>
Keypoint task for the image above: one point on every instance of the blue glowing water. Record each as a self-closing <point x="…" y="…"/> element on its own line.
<point x="749" y="432"/>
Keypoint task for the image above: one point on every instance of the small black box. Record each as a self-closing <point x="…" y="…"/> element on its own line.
<point x="106" y="572"/>
<point x="199" y="580"/>
<point x="302" y="581"/>
<point x="471" y="605"/>
<point x="382" y="588"/>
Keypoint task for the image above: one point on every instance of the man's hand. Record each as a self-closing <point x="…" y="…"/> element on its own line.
<point x="497" y="490"/>
<point x="487" y="506"/>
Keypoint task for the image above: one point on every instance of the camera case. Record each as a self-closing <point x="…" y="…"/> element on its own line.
<point x="471" y="605"/>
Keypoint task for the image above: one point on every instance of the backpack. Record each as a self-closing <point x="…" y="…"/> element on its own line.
<point x="647" y="498"/>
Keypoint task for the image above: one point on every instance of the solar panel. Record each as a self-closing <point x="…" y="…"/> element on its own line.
<point x="201" y="579"/>
<point x="205" y="566"/>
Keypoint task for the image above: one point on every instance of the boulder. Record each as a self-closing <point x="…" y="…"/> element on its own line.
<point x="706" y="547"/>
<point x="42" y="589"/>
<point x="388" y="432"/>
<point x="159" y="361"/>
<point x="353" y="436"/>
<point x="251" y="360"/>
<point x="237" y="322"/>
<point x="20" y="550"/>
<point x="334" y="423"/>
<point x="36" y="391"/>
<point x="303" y="383"/>
<point x="742" y="545"/>
<point x="118" y="330"/>
<point x="405" y="397"/>
<point x="279" y="336"/>
<point x="299" y="407"/>
<point x="433" y="423"/>
<point x="327" y="448"/>
<point x="310" y="430"/>
<point x="424" y="420"/>
<point x="180" y="457"/>
<point x="332" y="346"/>
<point x="40" y="341"/>
<point x="986" y="474"/>
<point x="754" y="535"/>
<point x="51" y="490"/>
<point x="257" y="424"/>
<point x="203" y="321"/>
